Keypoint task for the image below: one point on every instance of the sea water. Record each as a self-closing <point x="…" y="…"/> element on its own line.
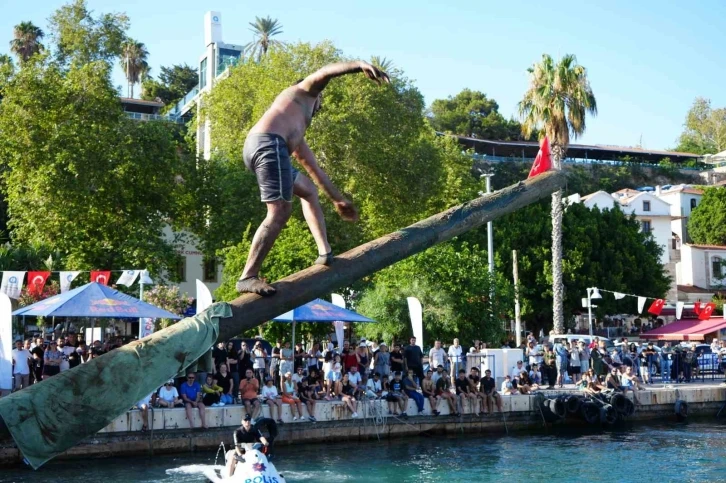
<point x="644" y="453"/>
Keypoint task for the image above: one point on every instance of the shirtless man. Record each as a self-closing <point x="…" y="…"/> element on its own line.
<point x="279" y="133"/>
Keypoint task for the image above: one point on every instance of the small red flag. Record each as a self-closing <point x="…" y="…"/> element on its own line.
<point x="656" y="307"/>
<point x="706" y="311"/>
<point x="543" y="161"/>
<point x="697" y="307"/>
<point x="101" y="276"/>
<point x="36" y="282"/>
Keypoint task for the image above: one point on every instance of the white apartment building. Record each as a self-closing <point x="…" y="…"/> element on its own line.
<point x="701" y="272"/>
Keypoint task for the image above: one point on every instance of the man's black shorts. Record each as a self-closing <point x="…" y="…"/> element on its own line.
<point x="267" y="156"/>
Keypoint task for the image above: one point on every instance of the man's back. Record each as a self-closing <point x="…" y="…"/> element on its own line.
<point x="289" y="116"/>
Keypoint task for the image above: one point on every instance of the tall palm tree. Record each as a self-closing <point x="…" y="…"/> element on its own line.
<point x="26" y="41"/>
<point x="133" y="61"/>
<point x="557" y="102"/>
<point x="264" y="29"/>
<point x="383" y="63"/>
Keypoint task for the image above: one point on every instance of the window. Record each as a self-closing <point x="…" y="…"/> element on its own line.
<point x="645" y="224"/>
<point x="180" y="269"/>
<point x="210" y="270"/>
<point x="203" y="74"/>
<point x="694" y="203"/>
<point x="227" y="58"/>
<point x="646" y="205"/>
<point x="717" y="268"/>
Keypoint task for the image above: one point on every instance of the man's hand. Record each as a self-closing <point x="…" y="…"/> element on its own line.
<point x="346" y="209"/>
<point x="374" y="73"/>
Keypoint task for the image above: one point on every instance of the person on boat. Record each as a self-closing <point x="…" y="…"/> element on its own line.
<point x="245" y="435"/>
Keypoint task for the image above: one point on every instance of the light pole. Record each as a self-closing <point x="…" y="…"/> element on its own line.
<point x="592" y="293"/>
<point x="490" y="229"/>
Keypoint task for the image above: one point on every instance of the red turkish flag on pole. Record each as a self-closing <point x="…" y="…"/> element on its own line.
<point x="101" y="276"/>
<point x="656" y="307"/>
<point x="36" y="282"/>
<point x="543" y="161"/>
<point x="697" y="307"/>
<point x="706" y="311"/>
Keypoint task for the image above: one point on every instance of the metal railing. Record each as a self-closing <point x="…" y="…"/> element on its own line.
<point x="178" y="109"/>
<point x="580" y="161"/>
<point x="154" y="117"/>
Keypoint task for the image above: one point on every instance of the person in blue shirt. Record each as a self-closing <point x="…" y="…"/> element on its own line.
<point x="191" y="394"/>
<point x="562" y="359"/>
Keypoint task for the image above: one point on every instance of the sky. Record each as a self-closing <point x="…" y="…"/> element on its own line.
<point x="647" y="61"/>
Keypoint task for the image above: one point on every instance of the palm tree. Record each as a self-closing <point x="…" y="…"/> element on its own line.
<point x="383" y="63"/>
<point x="264" y="29"/>
<point x="26" y="41"/>
<point x="133" y="61"/>
<point x="557" y="102"/>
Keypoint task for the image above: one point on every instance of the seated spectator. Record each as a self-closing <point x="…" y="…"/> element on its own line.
<point x="169" y="396"/>
<point x="489" y="388"/>
<point x="273" y="400"/>
<point x="612" y="381"/>
<point x="396" y="396"/>
<point x="225" y="381"/>
<point x="507" y="386"/>
<point x="525" y="384"/>
<point x="428" y="388"/>
<point x="333" y="376"/>
<point x="346" y="393"/>
<point x="374" y="387"/>
<point x="298" y="376"/>
<point x="463" y="390"/>
<point x="411" y="388"/>
<point x="474" y="385"/>
<point x="355" y="379"/>
<point x="143" y="406"/>
<point x="443" y="390"/>
<point x="290" y="396"/>
<point x="515" y="373"/>
<point x="439" y="372"/>
<point x="535" y="375"/>
<point x="249" y="387"/>
<point x="314" y="380"/>
<point x="630" y="382"/>
<point x="212" y="392"/>
<point x="308" y="396"/>
<point x="191" y="394"/>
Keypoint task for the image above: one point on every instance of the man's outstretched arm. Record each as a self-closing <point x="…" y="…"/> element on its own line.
<point x="317" y="81"/>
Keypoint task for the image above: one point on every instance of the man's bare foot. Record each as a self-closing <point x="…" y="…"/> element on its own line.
<point x="326" y="259"/>
<point x="255" y="285"/>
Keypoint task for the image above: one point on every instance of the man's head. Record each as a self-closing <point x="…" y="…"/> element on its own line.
<point x="353" y="369"/>
<point x="410" y="373"/>
<point x="247" y="421"/>
<point x="474" y="371"/>
<point x="487" y="373"/>
<point x="462" y="374"/>
<point x="412" y="341"/>
<point x="300" y="370"/>
<point x="397" y="375"/>
<point x="429" y="373"/>
<point x="439" y="368"/>
<point x="249" y="374"/>
<point x="223" y="368"/>
<point x="18" y="344"/>
<point x="190" y="378"/>
<point x="456" y="342"/>
<point x="53" y="345"/>
<point x="437" y="344"/>
<point x="519" y="365"/>
<point x="169" y="384"/>
<point x="376" y="376"/>
<point x="61" y="342"/>
<point x="220" y="345"/>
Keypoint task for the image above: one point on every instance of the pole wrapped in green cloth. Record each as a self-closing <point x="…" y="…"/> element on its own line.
<point x="54" y="415"/>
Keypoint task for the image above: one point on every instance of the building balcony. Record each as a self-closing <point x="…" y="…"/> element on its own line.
<point x="137" y="116"/>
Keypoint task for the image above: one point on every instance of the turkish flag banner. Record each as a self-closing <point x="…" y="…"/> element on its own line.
<point x="101" y="276"/>
<point x="706" y="311"/>
<point x="36" y="282"/>
<point x="543" y="161"/>
<point x="697" y="308"/>
<point x="656" y="307"/>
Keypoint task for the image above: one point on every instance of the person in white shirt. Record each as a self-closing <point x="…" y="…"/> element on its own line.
<point x="66" y="350"/>
<point x="169" y="396"/>
<point x="143" y="406"/>
<point x="272" y="398"/>
<point x="437" y="355"/>
<point x="507" y="387"/>
<point x="516" y="372"/>
<point x="374" y="387"/>
<point x="455" y="358"/>
<point x="354" y="377"/>
<point x="715" y="345"/>
<point x="21" y="366"/>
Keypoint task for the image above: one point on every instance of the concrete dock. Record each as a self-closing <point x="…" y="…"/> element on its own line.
<point x="171" y="432"/>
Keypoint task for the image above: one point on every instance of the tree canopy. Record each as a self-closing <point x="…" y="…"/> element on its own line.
<point x="173" y="84"/>
<point x="704" y="131"/>
<point x="707" y="223"/>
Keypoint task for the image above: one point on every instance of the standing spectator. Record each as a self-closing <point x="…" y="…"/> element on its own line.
<point x="437" y="355"/>
<point x="362" y="358"/>
<point x="219" y="354"/>
<point x="329" y="346"/>
<point x="396" y="359"/>
<point x="314" y="356"/>
<point x="233" y="364"/>
<point x="249" y="387"/>
<point x="574" y="366"/>
<point x="191" y="394"/>
<point x="413" y="357"/>
<point x="21" y="366"/>
<point x="455" y="357"/>
<point x="259" y="362"/>
<point x="38" y="353"/>
<point x="290" y="396"/>
<point x="299" y="355"/>
<point x="550" y="367"/>
<point x="489" y="388"/>
<point x="396" y="397"/>
<point x="463" y="391"/>
<point x="225" y="381"/>
<point x="275" y="360"/>
<point x="169" y="396"/>
<point x="443" y="390"/>
<point x="429" y="391"/>
<point x="561" y="359"/>
<point x="52" y="360"/>
<point x="65" y="350"/>
<point x="474" y="356"/>
<point x="382" y="360"/>
<point x="286" y="364"/>
<point x="411" y="388"/>
<point x="271" y="397"/>
<point x="212" y="392"/>
<point x="584" y="356"/>
<point x="665" y="363"/>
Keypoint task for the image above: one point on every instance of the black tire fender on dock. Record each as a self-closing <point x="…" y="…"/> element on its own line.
<point x="681" y="410"/>
<point x="618" y="401"/>
<point x="573" y="404"/>
<point x="608" y="414"/>
<point x="590" y="412"/>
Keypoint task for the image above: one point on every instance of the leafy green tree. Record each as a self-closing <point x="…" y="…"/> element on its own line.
<point x="169" y="298"/>
<point x="79" y="176"/>
<point x="133" y="62"/>
<point x="472" y="114"/>
<point x="79" y="37"/>
<point x="264" y="29"/>
<point x="707" y="223"/>
<point x="557" y="101"/>
<point x="383" y="63"/>
<point x="26" y="41"/>
<point x="173" y="84"/>
<point x="705" y="129"/>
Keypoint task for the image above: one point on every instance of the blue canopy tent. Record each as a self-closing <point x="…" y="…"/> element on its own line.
<point x="319" y="310"/>
<point x="95" y="300"/>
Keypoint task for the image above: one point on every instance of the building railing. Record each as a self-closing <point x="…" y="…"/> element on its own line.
<point x="178" y="109"/>
<point x="155" y="117"/>
<point x="580" y="161"/>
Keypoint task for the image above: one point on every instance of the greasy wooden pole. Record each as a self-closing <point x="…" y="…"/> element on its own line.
<point x="297" y="289"/>
<point x="517" y="316"/>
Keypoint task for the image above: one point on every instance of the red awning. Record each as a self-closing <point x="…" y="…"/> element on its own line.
<point x="685" y="330"/>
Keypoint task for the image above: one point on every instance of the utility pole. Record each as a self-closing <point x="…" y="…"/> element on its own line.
<point x="517" y="315"/>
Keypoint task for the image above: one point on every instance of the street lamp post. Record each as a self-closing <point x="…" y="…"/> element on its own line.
<point x="592" y="293"/>
<point x="490" y="228"/>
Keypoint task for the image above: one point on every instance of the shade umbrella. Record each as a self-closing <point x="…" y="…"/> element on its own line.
<point x="95" y="300"/>
<point x="319" y="310"/>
